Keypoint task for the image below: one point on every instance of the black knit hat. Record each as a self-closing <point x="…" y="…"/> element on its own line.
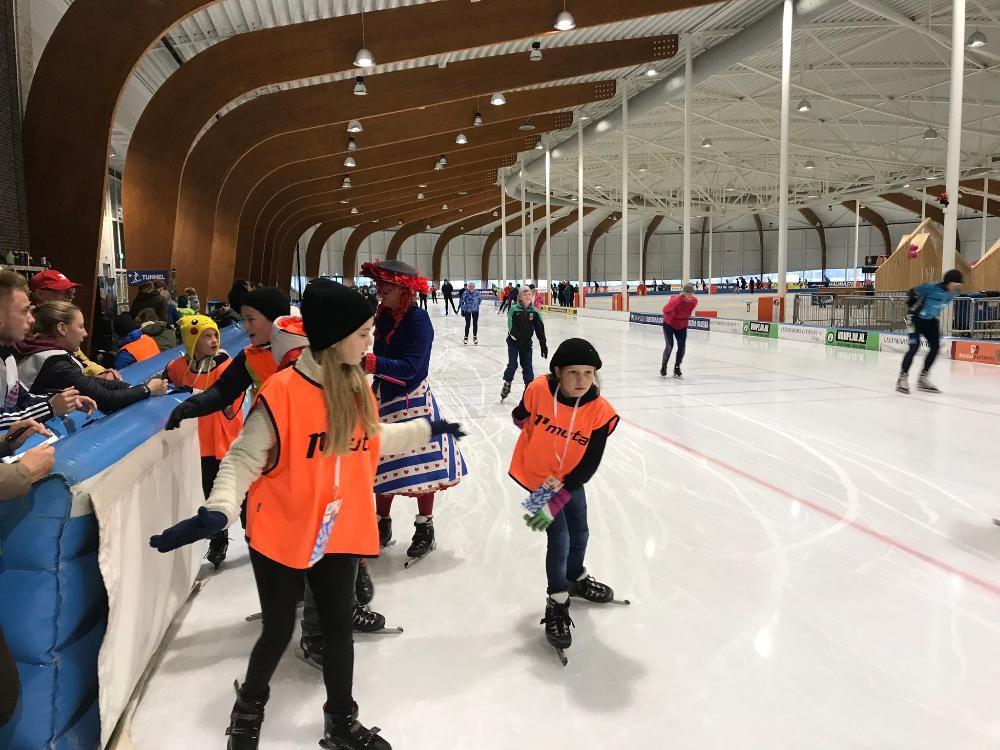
<point x="954" y="275"/>
<point x="269" y="301"/>
<point x="575" y="352"/>
<point x="331" y="312"/>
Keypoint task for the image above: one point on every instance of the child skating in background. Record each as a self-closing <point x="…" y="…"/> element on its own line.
<point x="308" y="454"/>
<point x="676" y="314"/>
<point x="523" y="322"/>
<point x="925" y="304"/>
<point x="198" y="370"/>
<point x="565" y="424"/>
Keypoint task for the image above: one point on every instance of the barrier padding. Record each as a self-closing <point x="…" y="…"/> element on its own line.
<point x="53" y="604"/>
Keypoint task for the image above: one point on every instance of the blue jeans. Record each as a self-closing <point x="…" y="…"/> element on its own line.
<point x="568" y="537"/>
<point x="515" y="350"/>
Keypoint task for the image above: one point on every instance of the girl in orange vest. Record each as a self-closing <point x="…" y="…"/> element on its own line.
<point x="198" y="370"/>
<point x="565" y="423"/>
<point x="308" y="453"/>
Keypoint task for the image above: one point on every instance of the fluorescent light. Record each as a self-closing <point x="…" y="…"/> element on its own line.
<point x="349" y="162"/>
<point x="565" y="21"/>
<point x="354" y="127"/>
<point x="498" y="99"/>
<point x="364" y="58"/>
<point x="359" y="86"/>
<point x="804" y="106"/>
<point x="461" y="140"/>
<point x="977" y="40"/>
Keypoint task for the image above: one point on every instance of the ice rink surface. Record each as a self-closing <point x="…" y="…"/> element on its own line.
<point x="810" y="557"/>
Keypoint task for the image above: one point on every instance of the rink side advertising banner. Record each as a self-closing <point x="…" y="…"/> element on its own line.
<point x="849" y="338"/>
<point x="980" y="352"/>
<point x="805" y="334"/>
<point x="549" y="309"/>
<point x="760" y="329"/>
<point x="652" y="319"/>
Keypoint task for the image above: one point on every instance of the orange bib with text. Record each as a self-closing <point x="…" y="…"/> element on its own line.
<point x="216" y="432"/>
<point x="553" y="441"/>
<point x="286" y="505"/>
<point x="142" y="348"/>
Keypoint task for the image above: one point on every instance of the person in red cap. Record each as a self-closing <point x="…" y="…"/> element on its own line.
<point x="54" y="286"/>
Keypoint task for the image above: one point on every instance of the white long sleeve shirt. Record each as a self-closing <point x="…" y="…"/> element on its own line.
<point x="250" y="453"/>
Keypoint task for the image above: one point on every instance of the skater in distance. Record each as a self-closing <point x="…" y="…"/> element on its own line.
<point x="925" y="303"/>
<point x="523" y="322"/>
<point x="676" y="314"/>
<point x="565" y="423"/>
<point x="468" y="303"/>
<point x="308" y="455"/>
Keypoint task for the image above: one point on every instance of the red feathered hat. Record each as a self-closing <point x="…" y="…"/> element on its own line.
<point x="396" y="272"/>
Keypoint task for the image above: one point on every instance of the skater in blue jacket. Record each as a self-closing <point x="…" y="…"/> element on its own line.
<point x="926" y="303"/>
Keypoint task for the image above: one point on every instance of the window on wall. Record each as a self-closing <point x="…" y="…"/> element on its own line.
<point x="118" y="228"/>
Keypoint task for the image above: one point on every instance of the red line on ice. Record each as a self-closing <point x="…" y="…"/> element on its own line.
<point x="993" y="588"/>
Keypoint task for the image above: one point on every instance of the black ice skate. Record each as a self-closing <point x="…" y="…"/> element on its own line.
<point x="312" y="650"/>
<point x="505" y="391"/>
<point x="385" y="532"/>
<point x="677" y="373"/>
<point x="903" y="384"/>
<point x="589" y="588"/>
<point x="423" y="542"/>
<point x="245" y="721"/>
<point x="475" y="340"/>
<point x="663" y="371"/>
<point x="218" y="545"/>
<point x="370" y="622"/>
<point x="364" y="587"/>
<point x="347" y="733"/>
<point x="923" y="384"/>
<point x="465" y="340"/>
<point x="557" y="624"/>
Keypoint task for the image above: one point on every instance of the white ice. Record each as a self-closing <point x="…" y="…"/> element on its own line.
<point x="810" y="556"/>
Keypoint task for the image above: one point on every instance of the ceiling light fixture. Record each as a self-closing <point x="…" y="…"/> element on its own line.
<point x="652" y="72"/>
<point x="498" y="99"/>
<point x="976" y="40"/>
<point x="707" y="143"/>
<point x="539" y="146"/>
<point x="643" y="169"/>
<point x="349" y="162"/>
<point x="364" y="58"/>
<point x="352" y="145"/>
<point x="584" y="118"/>
<point x="804" y="106"/>
<point x="428" y="225"/>
<point x="930" y="134"/>
<point x="565" y="20"/>
<point x="359" y="86"/>
<point x="526" y="126"/>
<point x="354" y="211"/>
<point x="347" y="181"/>
<point x="422" y="185"/>
<point x="477" y="120"/>
<point x="420" y="196"/>
<point x="461" y="140"/>
<point x="536" y="52"/>
<point x="809" y="164"/>
<point x="444" y="206"/>
<point x="354" y="127"/>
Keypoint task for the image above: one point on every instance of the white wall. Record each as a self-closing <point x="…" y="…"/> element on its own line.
<point x="735" y="253"/>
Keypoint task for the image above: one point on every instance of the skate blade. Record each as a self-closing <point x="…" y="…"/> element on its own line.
<point x="619" y="602"/>
<point x="563" y="659"/>
<point x="414" y="560"/>
<point x="996" y="521"/>
<point x="390" y="543"/>
<point x="383" y="631"/>
<point x="254" y="617"/>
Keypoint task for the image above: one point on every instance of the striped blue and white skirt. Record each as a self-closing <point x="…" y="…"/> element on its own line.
<point x="431" y="467"/>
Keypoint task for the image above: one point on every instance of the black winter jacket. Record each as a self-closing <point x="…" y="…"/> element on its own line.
<point x="61" y="371"/>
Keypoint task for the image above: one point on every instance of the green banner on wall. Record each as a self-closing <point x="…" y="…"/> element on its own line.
<point x="849" y="338"/>
<point x="760" y="329"/>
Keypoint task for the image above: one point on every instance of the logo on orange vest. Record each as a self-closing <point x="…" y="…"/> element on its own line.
<point x="554" y="429"/>
<point x="317" y="441"/>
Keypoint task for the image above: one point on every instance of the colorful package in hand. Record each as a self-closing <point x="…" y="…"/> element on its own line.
<point x="537" y="499"/>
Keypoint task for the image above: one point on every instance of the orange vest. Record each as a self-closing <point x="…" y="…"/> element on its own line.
<point x="285" y="506"/>
<point x="547" y="435"/>
<point x="260" y="365"/>
<point x="216" y="431"/>
<point x="142" y="348"/>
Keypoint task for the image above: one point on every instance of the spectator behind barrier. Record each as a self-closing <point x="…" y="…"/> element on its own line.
<point x="135" y="345"/>
<point x="192" y="299"/>
<point x="53" y="286"/>
<point x="184" y="309"/>
<point x="162" y="333"/>
<point x="46" y="364"/>
<point x="149" y="296"/>
<point x="16" y="401"/>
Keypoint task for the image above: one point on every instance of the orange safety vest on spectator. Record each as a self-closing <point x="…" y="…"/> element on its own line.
<point x="286" y="505"/>
<point x="216" y="431"/>
<point x="142" y="348"/>
<point x="548" y="446"/>
<point x="261" y="364"/>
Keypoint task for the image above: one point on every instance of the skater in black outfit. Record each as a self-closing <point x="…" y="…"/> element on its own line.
<point x="447" y="290"/>
<point x="523" y="322"/>
<point x="555" y="464"/>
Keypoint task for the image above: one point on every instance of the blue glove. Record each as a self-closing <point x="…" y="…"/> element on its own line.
<point x="441" y="427"/>
<point x="201" y="526"/>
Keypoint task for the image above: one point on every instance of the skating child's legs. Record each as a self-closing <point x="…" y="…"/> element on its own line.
<point x="425" y="504"/>
<point x="527" y="369"/>
<point x="475" y="324"/>
<point x="567" y="544"/>
<point x="512" y="352"/>
<point x="383" y="505"/>
<point x="682" y="337"/>
<point x="468" y="322"/>
<point x="332" y="578"/>
<point x="668" y="338"/>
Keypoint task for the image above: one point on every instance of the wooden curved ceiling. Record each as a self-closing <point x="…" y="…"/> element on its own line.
<point x="602" y="229"/>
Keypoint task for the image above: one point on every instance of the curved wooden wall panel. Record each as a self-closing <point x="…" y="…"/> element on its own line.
<point x="813" y="219"/>
<point x="513" y="225"/>
<point x="654" y="224"/>
<point x="467" y="224"/>
<point x="557" y="226"/>
<point x="599" y="231"/>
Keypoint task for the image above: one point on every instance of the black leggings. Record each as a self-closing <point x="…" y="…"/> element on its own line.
<point x="669" y="334"/>
<point x="280" y="589"/>
<point x="472" y="317"/>
<point x="930" y="330"/>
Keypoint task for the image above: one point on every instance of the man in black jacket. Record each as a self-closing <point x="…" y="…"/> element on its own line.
<point x="523" y="322"/>
<point x="447" y="290"/>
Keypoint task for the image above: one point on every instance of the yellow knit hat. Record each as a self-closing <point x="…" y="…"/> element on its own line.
<point x="192" y="327"/>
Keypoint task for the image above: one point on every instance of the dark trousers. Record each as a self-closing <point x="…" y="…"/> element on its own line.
<point x="514" y="351"/>
<point x="423" y="301"/>
<point x="568" y="536"/>
<point x="504" y="305"/>
<point x="10" y="685"/>
<point x="471" y="317"/>
<point x="279" y="588"/>
<point x="930" y="330"/>
<point x="449" y="302"/>
<point x="669" y="335"/>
